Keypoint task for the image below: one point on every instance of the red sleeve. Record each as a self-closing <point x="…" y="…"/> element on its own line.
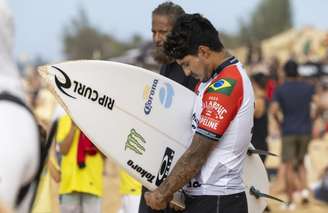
<point x="221" y="102"/>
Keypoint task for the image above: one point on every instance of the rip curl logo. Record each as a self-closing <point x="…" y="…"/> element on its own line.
<point x="83" y="90"/>
<point x="60" y="85"/>
<point x="135" y="142"/>
<point x="166" y="94"/>
<point x="223" y="86"/>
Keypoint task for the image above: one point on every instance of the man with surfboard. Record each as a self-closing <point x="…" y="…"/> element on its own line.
<point x="163" y="19"/>
<point x="211" y="168"/>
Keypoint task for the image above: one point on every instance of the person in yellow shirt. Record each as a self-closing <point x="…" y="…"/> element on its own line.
<point x="81" y="185"/>
<point x="130" y="189"/>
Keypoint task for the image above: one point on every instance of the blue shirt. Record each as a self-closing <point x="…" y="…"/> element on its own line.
<point x="294" y="98"/>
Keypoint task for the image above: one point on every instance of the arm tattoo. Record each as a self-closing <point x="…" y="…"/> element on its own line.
<point x="188" y="165"/>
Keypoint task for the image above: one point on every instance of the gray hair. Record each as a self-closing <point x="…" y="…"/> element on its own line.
<point x="169" y="9"/>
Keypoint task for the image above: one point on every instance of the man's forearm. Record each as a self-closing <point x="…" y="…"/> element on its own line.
<point x="277" y="119"/>
<point x="274" y="110"/>
<point x="188" y="165"/>
<point x="66" y="144"/>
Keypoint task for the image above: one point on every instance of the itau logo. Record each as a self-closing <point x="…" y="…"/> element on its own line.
<point x="166" y="94"/>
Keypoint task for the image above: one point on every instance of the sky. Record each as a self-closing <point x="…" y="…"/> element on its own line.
<point x="40" y="23"/>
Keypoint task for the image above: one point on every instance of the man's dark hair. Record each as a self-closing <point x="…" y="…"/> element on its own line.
<point x="260" y="79"/>
<point x="189" y="32"/>
<point x="291" y="68"/>
<point x="169" y="9"/>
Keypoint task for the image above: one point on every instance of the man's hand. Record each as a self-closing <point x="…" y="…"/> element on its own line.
<point x="186" y="167"/>
<point x="156" y="200"/>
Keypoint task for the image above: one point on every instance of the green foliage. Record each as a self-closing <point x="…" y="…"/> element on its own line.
<point x="269" y="18"/>
<point x="230" y="40"/>
<point x="83" y="41"/>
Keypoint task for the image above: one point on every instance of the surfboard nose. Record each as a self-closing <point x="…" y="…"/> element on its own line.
<point x="45" y="74"/>
<point x="43" y="71"/>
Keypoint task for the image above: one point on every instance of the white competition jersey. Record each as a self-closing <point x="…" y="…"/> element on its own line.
<point x="223" y="111"/>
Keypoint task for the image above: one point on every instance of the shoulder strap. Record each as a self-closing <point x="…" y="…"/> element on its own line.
<point x="9" y="97"/>
<point x="44" y="150"/>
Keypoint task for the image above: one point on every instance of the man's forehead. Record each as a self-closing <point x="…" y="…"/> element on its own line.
<point x="162" y="20"/>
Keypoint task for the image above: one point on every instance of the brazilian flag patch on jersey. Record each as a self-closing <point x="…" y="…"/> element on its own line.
<point x="223" y="86"/>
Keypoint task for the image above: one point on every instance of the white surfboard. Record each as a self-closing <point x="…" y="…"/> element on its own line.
<point x="139" y="118"/>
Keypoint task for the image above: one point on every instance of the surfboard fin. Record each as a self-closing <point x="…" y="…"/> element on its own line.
<point x="260" y="152"/>
<point x="258" y="194"/>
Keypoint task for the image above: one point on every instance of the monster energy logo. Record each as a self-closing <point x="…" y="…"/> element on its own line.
<point x="134" y="142"/>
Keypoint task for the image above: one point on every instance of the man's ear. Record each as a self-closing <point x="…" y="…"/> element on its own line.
<point x="203" y="51"/>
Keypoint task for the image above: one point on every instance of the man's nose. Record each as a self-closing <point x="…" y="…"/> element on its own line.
<point x="157" y="38"/>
